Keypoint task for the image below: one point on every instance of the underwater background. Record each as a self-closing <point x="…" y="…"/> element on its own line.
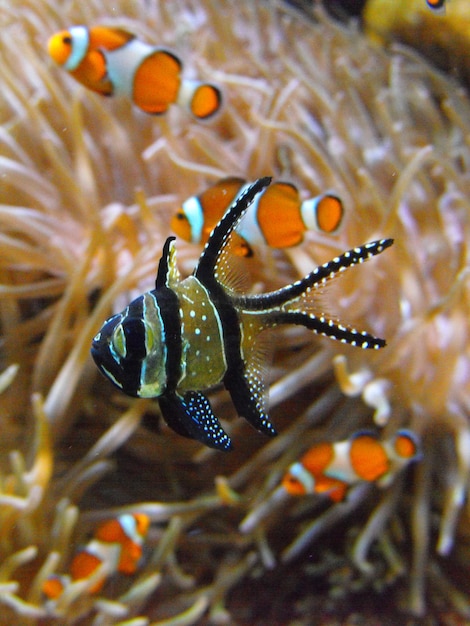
<point x="88" y="189"/>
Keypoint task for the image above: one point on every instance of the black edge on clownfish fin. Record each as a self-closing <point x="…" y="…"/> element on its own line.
<point x="191" y="416"/>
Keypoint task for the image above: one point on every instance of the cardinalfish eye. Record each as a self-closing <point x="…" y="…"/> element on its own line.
<point x="130" y="339"/>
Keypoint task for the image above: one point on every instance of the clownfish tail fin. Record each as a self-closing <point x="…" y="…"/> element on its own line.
<point x="202" y="99"/>
<point x="323" y="213"/>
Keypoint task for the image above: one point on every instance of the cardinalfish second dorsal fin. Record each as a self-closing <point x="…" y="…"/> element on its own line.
<point x="296" y="303"/>
<point x="112" y="61"/>
<point x="278" y="216"/>
<point x="116" y="546"/>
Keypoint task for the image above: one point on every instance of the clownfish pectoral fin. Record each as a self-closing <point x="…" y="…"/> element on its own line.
<point x="191" y="416"/>
<point x="202" y="99"/>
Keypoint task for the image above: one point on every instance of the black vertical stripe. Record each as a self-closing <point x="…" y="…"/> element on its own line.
<point x="168" y="304"/>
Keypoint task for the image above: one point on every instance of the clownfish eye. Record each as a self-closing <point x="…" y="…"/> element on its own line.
<point x="128" y="339"/>
<point x="180" y="215"/>
<point x="67" y="40"/>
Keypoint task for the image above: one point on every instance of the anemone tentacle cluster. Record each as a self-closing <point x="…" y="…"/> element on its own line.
<point x="89" y="186"/>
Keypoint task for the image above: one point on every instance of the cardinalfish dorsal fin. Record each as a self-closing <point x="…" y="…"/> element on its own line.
<point x="236" y="379"/>
<point x="168" y="274"/>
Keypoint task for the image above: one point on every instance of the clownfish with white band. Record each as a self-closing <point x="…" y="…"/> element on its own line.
<point x="278" y="217"/>
<point x="112" y="61"/>
<point x="330" y="468"/>
<point x="117" y="542"/>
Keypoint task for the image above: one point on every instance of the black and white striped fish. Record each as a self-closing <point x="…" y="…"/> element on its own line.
<point x="186" y="336"/>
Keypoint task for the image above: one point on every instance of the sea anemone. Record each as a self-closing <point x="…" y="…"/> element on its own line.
<point x="89" y="186"/>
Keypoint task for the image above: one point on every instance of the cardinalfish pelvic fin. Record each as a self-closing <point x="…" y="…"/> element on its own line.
<point x="117" y="543"/>
<point x="331" y="468"/>
<point x="112" y="61"/>
<point x="278" y="217"/>
<point x="185" y="336"/>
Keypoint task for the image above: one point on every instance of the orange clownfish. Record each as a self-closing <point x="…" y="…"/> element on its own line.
<point x="330" y="468"/>
<point x="278" y="216"/>
<point x="112" y="61"/>
<point x="117" y="540"/>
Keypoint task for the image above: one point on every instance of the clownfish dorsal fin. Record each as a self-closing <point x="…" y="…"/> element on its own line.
<point x="168" y="274"/>
<point x="288" y="189"/>
<point x="202" y="424"/>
